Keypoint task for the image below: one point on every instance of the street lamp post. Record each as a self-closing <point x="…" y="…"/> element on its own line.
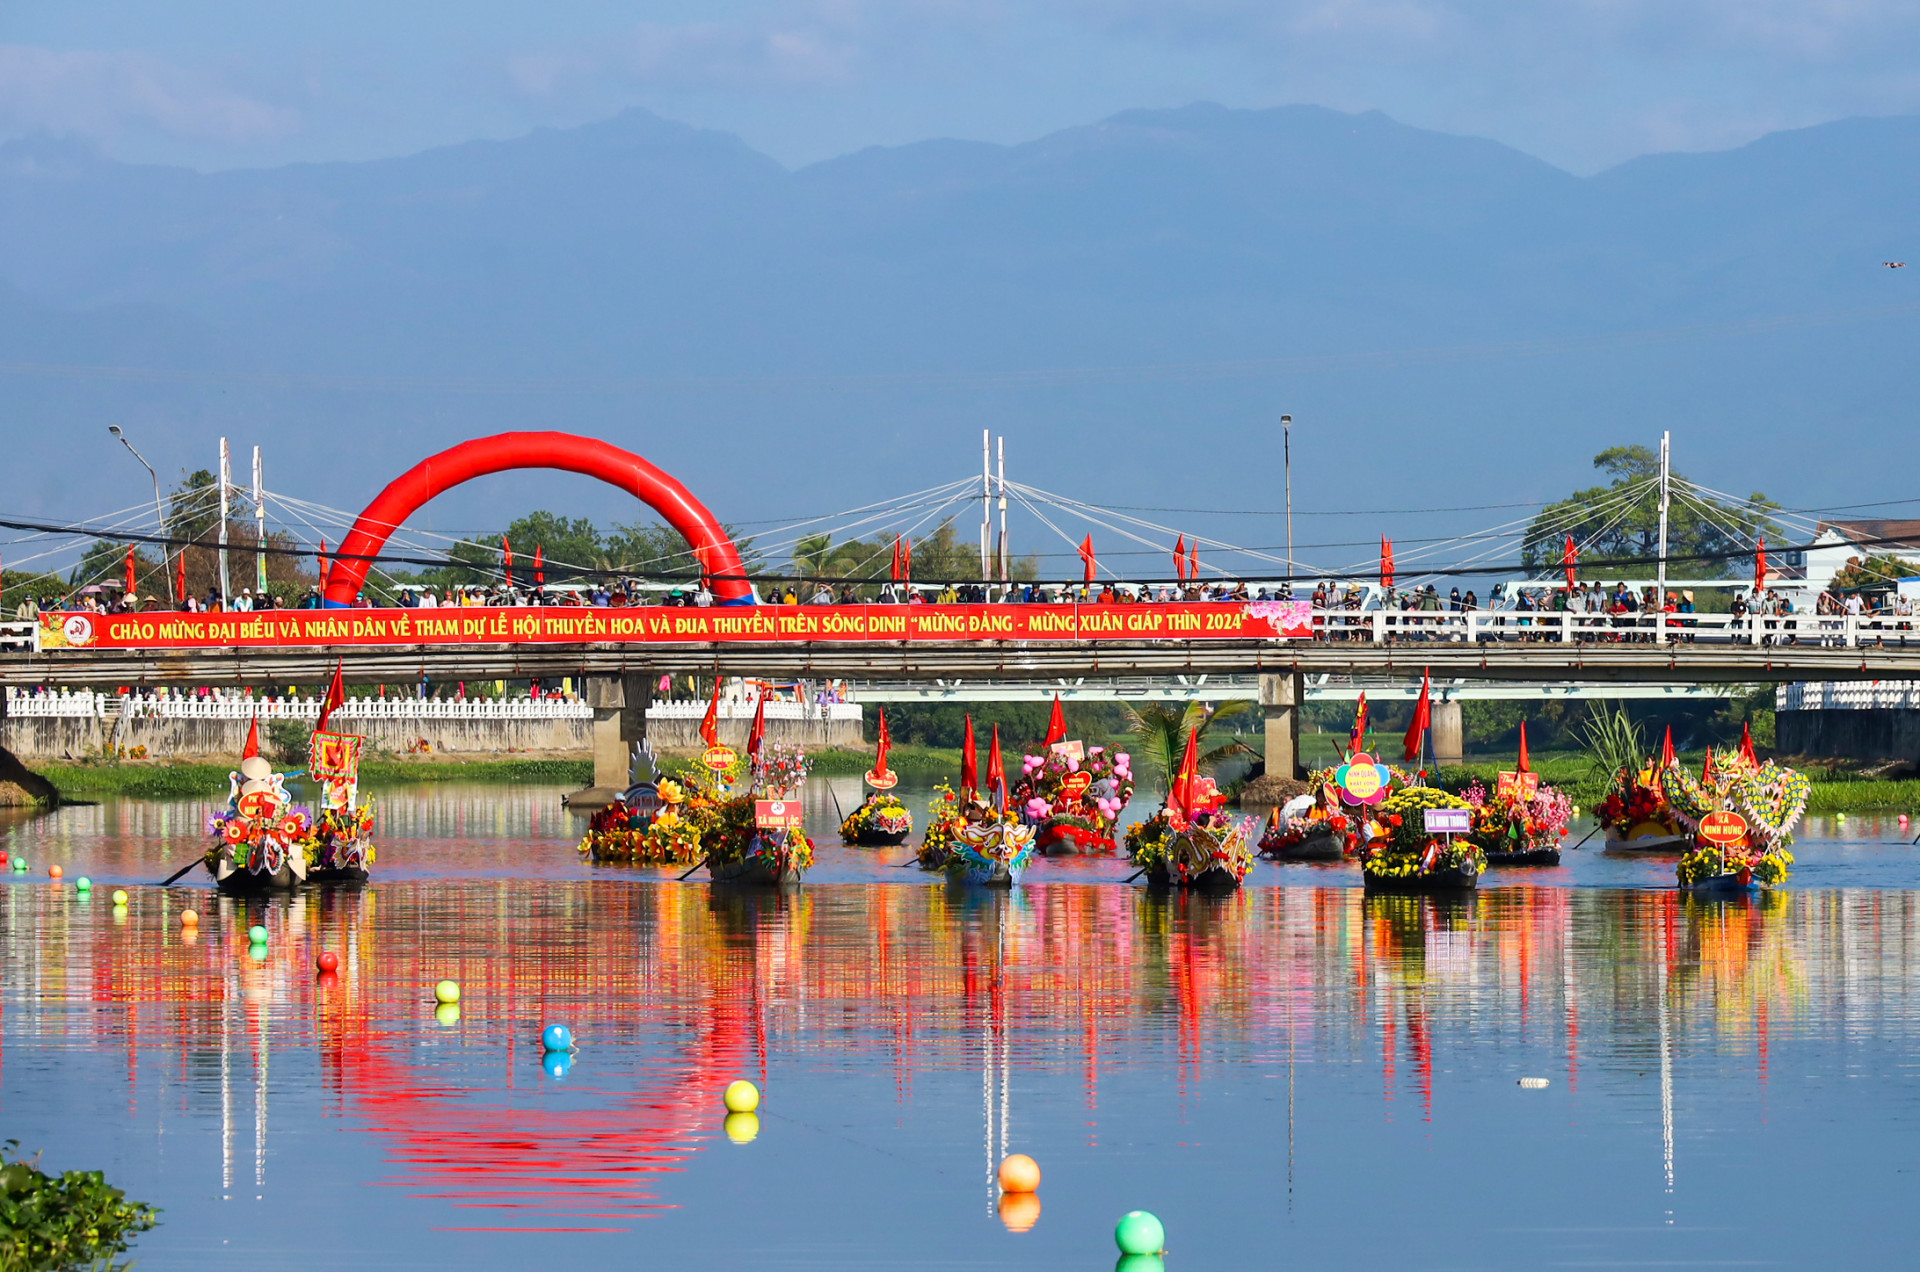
<point x="158" y="508"/>
<point x="1286" y="447"/>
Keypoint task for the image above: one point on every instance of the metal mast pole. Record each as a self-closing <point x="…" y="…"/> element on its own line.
<point x="1286" y="448"/>
<point x="259" y="531"/>
<point x="986" y="502"/>
<point x="1660" y="590"/>
<point x="1006" y="561"/>
<point x="226" y="480"/>
<point x="159" y="511"/>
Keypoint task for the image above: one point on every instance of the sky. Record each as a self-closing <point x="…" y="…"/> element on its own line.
<point x="1583" y="84"/>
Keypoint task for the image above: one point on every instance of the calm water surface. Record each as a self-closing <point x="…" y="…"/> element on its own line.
<point x="1296" y="1075"/>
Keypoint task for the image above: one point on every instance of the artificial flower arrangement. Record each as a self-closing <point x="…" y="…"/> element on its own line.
<point x="1325" y="817"/>
<point x="731" y="834"/>
<point x="882" y="819"/>
<point x="268" y="834"/>
<point x="1399" y="849"/>
<point x="341" y="840"/>
<point x="943" y="819"/>
<point x="1636" y="806"/>
<point x="1769" y="798"/>
<point x="783" y="771"/>
<point x="677" y="833"/>
<point x="1508" y="825"/>
<point x="1066" y="796"/>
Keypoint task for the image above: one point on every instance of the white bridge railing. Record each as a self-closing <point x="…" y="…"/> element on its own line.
<point x="734" y="709"/>
<point x="1547" y="626"/>
<point x="1848" y="695"/>
<point x="240" y="707"/>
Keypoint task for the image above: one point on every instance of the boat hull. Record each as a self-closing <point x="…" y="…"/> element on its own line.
<point x="1320" y="844"/>
<point x="1531" y="857"/>
<point x="1671" y="845"/>
<point x="1212" y="879"/>
<point x="880" y="838"/>
<point x="1073" y="841"/>
<point x="1452" y="880"/>
<point x="987" y="874"/>
<point x="252" y="883"/>
<point x="759" y="872"/>
<point x="339" y="874"/>
<point x="1739" y="884"/>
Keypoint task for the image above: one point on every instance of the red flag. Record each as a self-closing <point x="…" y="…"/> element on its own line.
<point x="1524" y="766"/>
<point x="1746" y="745"/>
<point x="180" y="576"/>
<point x="1706" y="773"/>
<point x="1760" y="566"/>
<point x="1182" y="791"/>
<point x="1416" y="737"/>
<point x="130" y="591"/>
<point x="906" y="559"/>
<point x="1357" y="735"/>
<point x="1180" y="557"/>
<point x="1666" y="751"/>
<point x="969" y="762"/>
<point x="326" y="566"/>
<point x="506" y="557"/>
<point x="1193" y="561"/>
<point x="710" y="723"/>
<point x="336" y="695"/>
<point x="539" y="568"/>
<point x="1569" y="557"/>
<point x="1086" y="556"/>
<point x="1056" y="724"/>
<point x="996" y="770"/>
<point x="885" y="745"/>
<point x="252" y="748"/>
<point x="758" y="733"/>
<point x="1386" y="562"/>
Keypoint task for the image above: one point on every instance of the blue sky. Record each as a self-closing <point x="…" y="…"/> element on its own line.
<point x="1581" y="83"/>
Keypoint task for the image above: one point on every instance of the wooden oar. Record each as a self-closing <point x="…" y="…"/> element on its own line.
<point x="690" y="869"/>
<point x="182" y="870"/>
<point x="1135" y="875"/>
<point x="836" y="800"/>
<point x="1590" y="834"/>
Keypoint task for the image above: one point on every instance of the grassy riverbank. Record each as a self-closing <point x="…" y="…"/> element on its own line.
<point x="160" y="781"/>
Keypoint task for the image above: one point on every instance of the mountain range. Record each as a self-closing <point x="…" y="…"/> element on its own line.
<point x="1134" y="303"/>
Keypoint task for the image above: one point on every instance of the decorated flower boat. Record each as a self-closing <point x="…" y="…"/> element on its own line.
<point x="759" y="838"/>
<point x="990" y="849"/>
<point x="1638" y="817"/>
<point x="261" y="842"/>
<point x="1074" y="798"/>
<point x="1310" y="827"/>
<point x="1519" y="823"/>
<point x="1402" y="855"/>
<point x="642" y="827"/>
<point x="341" y="836"/>
<point x="881" y="822"/>
<point x="944" y="816"/>
<point x="1742" y="813"/>
<point x="1211" y="853"/>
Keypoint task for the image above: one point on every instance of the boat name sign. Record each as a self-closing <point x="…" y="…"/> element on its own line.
<point x="1449" y="821"/>
<point x="1725" y="829"/>
<point x="777" y="814"/>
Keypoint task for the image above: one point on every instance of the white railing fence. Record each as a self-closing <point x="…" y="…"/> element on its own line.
<point x="144" y="706"/>
<point x="1848" y="695"/>
<point x="732" y="709"/>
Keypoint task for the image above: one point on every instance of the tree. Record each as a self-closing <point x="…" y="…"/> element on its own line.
<point x="1876" y="573"/>
<point x="1621" y="521"/>
<point x="1160" y="737"/>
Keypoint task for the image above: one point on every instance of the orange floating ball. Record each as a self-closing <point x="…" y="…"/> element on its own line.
<point x="189" y="918"/>
<point x="1020" y="1174"/>
<point x="54" y="872"/>
<point x="1019" y="1210"/>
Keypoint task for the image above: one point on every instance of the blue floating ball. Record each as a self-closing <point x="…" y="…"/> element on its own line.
<point x="557" y="1038"/>
<point x="556" y="1063"/>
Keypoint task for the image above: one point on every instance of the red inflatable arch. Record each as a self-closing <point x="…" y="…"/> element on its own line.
<point x="716" y="553"/>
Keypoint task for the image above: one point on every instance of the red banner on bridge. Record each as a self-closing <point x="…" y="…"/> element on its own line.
<point x="650" y="625"/>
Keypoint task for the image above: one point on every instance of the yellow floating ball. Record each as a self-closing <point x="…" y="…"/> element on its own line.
<point x="1020" y="1174"/>
<point x="447" y="991"/>
<point x="742" y="1127"/>
<point x="447" y="1013"/>
<point x="742" y="1096"/>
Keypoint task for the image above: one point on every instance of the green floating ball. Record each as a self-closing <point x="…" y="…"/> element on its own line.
<point x="1139" y="1263"/>
<point x="258" y="953"/>
<point x="1139" y="1233"/>
<point x="83" y="883"/>
<point x="257" y="935"/>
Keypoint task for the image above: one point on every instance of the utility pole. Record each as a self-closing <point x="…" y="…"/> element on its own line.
<point x="986" y="502"/>
<point x="259" y="530"/>
<point x="226" y="481"/>
<point x="1286" y="449"/>
<point x="1006" y="561"/>
<point x="1660" y="589"/>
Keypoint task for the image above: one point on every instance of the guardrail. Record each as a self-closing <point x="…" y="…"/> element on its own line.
<point x="1569" y="628"/>
<point x="231" y="707"/>
<point x="733" y="709"/>
<point x="1843" y="695"/>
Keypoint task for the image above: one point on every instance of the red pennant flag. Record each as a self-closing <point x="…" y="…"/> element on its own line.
<point x="1524" y="766"/>
<point x="1056" y="723"/>
<point x="130" y="584"/>
<point x="969" y="762"/>
<point x="1569" y="557"/>
<point x="757" y="735"/>
<point x="1357" y="735"/>
<point x="539" y="568"/>
<point x="1086" y="556"/>
<point x="180" y="577"/>
<point x="252" y="748"/>
<point x="506" y="557"/>
<point x="1416" y="737"/>
<point x="336" y="696"/>
<point x="1706" y="773"/>
<point x="1759" y="566"/>
<point x="1182" y="793"/>
<point x="1180" y="557"/>
<point x="1746" y="745"/>
<point x="906" y="560"/>
<point x="1386" y="562"/>
<point x="885" y="745"/>
<point x="996" y="770"/>
<point x="710" y="723"/>
<point x="1193" y="561"/>
<point x="1666" y="751"/>
<point x="326" y="566"/>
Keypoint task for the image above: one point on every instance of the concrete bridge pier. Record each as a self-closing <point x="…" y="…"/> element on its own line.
<point x="619" y="705"/>
<point x="1449" y="733"/>
<point x="1280" y="699"/>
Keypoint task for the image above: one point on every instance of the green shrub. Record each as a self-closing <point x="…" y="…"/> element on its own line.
<point x="48" y="1224"/>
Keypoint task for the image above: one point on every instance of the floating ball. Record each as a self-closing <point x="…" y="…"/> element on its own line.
<point x="19" y="863"/>
<point x="1139" y="1263"/>
<point x="3" y="853"/>
<point x="54" y="872"/>
<point x="1019" y="1210"/>
<point x="557" y="1038"/>
<point x="1020" y="1174"/>
<point x="257" y="935"/>
<point x="83" y="883"/>
<point x="258" y="953"/>
<point x="447" y="1013"/>
<point x="556" y="1063"/>
<point x="189" y="935"/>
<point x="119" y="896"/>
<point x="447" y="991"/>
<point x="742" y="1127"/>
<point x="742" y="1096"/>
<point x="1139" y="1233"/>
<point x="119" y="914"/>
<point x="189" y="918"/>
<point x="327" y="962"/>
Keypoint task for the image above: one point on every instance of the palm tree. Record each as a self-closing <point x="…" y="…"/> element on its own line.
<point x="1160" y="738"/>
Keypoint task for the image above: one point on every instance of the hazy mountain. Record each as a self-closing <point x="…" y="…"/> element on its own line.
<point x="849" y="328"/>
